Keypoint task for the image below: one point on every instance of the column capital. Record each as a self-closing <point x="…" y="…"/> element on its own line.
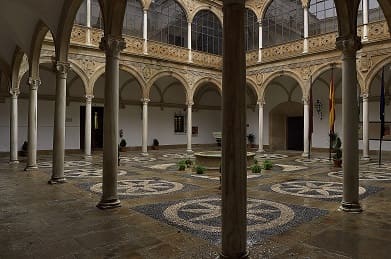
<point x="261" y="103"/>
<point x="34" y="83"/>
<point x="365" y="96"/>
<point x="112" y="45"/>
<point x="190" y="103"/>
<point x="89" y="97"/>
<point x="14" y="92"/>
<point x="306" y="99"/>
<point x="145" y="100"/>
<point x="349" y="45"/>
<point x="61" y="68"/>
<point x="305" y="3"/>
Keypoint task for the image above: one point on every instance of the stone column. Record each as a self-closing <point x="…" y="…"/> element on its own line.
<point x="32" y="125"/>
<point x="88" y="23"/>
<point x="189" y="126"/>
<point x="305" y="49"/>
<point x="260" y="41"/>
<point x="306" y="102"/>
<point x="59" y="123"/>
<point x="350" y="156"/>
<point x="365" y="127"/>
<point x="88" y="126"/>
<point x="365" y="20"/>
<point x="112" y="47"/>
<point x="145" y="31"/>
<point x="260" y="127"/>
<point x="189" y="41"/>
<point x="145" y="126"/>
<point x="14" y="127"/>
<point x="234" y="164"/>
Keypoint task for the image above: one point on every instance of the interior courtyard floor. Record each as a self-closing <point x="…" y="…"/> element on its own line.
<point x="166" y="213"/>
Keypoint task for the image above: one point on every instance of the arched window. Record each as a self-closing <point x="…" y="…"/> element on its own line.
<point x="81" y="16"/>
<point x="206" y="33"/>
<point x="322" y="17"/>
<point x="251" y="29"/>
<point x="96" y="15"/>
<point x="283" y="22"/>
<point x="375" y="13"/>
<point x="167" y="22"/>
<point x="133" y="20"/>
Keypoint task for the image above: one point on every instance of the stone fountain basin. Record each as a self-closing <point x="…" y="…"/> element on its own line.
<point x="211" y="160"/>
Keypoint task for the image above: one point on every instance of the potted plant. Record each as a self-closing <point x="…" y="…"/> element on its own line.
<point x="256" y="168"/>
<point x="251" y="140"/>
<point x="181" y="165"/>
<point x="200" y="169"/>
<point x="155" y="144"/>
<point x="336" y="147"/>
<point x="24" y="148"/>
<point x="267" y="165"/>
<point x="122" y="145"/>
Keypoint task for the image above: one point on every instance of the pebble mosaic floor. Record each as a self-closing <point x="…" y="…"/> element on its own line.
<point x="296" y="197"/>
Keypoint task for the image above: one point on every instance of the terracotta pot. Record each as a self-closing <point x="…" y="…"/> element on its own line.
<point x="338" y="163"/>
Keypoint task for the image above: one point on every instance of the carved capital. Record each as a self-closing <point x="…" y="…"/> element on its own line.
<point x="189" y="103"/>
<point x="61" y="68"/>
<point x="306" y="99"/>
<point x="89" y="98"/>
<point x="349" y="45"/>
<point x="112" y="45"/>
<point x="34" y="83"/>
<point x="261" y="102"/>
<point x="305" y="3"/>
<point x="365" y="96"/>
<point x="145" y="100"/>
<point x="14" y="92"/>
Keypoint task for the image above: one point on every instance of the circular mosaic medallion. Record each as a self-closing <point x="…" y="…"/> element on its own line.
<point x="271" y="156"/>
<point x="313" y="160"/>
<point x="49" y="164"/>
<point x="312" y="189"/>
<point x="139" y="159"/>
<point x="177" y="156"/>
<point x="87" y="172"/>
<point x="142" y="187"/>
<point x="205" y="214"/>
<point x="367" y="175"/>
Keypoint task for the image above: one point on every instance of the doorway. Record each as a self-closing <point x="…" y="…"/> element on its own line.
<point x="295" y="133"/>
<point x="96" y="127"/>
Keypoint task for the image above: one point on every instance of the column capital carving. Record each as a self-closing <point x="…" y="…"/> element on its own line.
<point x="62" y="68"/>
<point x="14" y="92"/>
<point x="305" y="3"/>
<point x="145" y="100"/>
<point x="112" y="45"/>
<point x="349" y="45"/>
<point x="189" y="103"/>
<point x="365" y="96"/>
<point x="306" y="99"/>
<point x="261" y="103"/>
<point x="89" y="97"/>
<point x="34" y="83"/>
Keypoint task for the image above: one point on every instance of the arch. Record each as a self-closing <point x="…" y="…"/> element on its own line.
<point x="40" y="32"/>
<point x="251" y="30"/>
<point x="322" y="17"/>
<point x="200" y="8"/>
<point x="203" y="81"/>
<point x="386" y="7"/>
<point x="253" y="85"/>
<point x="375" y="70"/>
<point x="160" y="75"/>
<point x="133" y="20"/>
<point x="317" y="73"/>
<point x="274" y="75"/>
<point x="254" y="10"/>
<point x="16" y="67"/>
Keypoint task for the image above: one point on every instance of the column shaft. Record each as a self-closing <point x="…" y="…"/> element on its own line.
<point x="59" y="124"/>
<point x="305" y="50"/>
<point x="260" y="128"/>
<point x="88" y="126"/>
<point x="365" y="20"/>
<point x="350" y="155"/>
<point x="88" y="22"/>
<point x="145" y="32"/>
<point x="32" y="125"/>
<point x="112" y="47"/>
<point x="306" y="129"/>
<point x="145" y="127"/>
<point x="189" y="41"/>
<point x="260" y="42"/>
<point x="365" y="121"/>
<point x="189" y="127"/>
<point x="14" y="128"/>
<point x="234" y="164"/>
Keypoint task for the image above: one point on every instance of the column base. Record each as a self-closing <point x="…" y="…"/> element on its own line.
<point x="350" y="207"/>
<point x="60" y="180"/>
<point x="365" y="158"/>
<point x="305" y="154"/>
<point x="13" y="162"/>
<point x="244" y="256"/>
<point x="144" y="154"/>
<point x="260" y="151"/>
<point x="189" y="151"/>
<point x="31" y="168"/>
<point x="88" y="157"/>
<point x="109" y="204"/>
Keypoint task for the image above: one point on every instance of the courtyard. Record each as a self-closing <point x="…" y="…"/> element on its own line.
<point x="166" y="213"/>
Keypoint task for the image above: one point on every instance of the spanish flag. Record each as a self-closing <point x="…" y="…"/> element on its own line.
<point x="331" y="104"/>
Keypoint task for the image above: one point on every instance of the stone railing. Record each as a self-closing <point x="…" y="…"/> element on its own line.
<point x="134" y="45"/>
<point x="167" y="51"/>
<point x="208" y="60"/>
<point x="378" y="31"/>
<point x="291" y="49"/>
<point x="252" y="57"/>
<point x="79" y="35"/>
<point x="322" y="42"/>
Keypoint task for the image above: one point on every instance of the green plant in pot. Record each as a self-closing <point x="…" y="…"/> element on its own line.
<point x="122" y="145"/>
<point x="200" y="169"/>
<point x="256" y="168"/>
<point x="336" y="147"/>
<point x="267" y="165"/>
<point x="182" y="165"/>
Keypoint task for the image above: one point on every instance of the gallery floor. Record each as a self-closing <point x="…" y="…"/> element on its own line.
<point x="165" y="213"/>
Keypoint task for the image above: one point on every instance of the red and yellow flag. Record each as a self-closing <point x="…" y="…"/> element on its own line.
<point x="331" y="104"/>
